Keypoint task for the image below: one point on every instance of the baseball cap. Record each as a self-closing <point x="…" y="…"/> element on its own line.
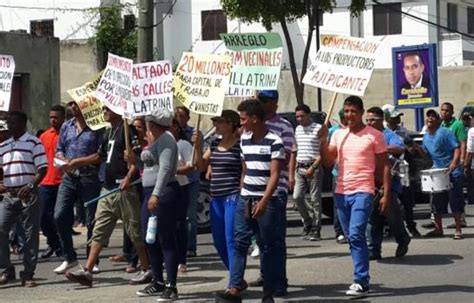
<point x="161" y="117"/>
<point x="268" y="95"/>
<point x="228" y="116"/>
<point x="392" y="113"/>
<point x="3" y="126"/>
<point x="432" y="112"/>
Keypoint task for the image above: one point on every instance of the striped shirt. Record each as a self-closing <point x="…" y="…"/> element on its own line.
<point x="307" y="142"/>
<point x="226" y="169"/>
<point x="21" y="159"/>
<point x="258" y="158"/>
<point x="283" y="129"/>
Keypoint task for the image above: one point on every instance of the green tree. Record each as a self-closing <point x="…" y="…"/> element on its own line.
<point x="111" y="36"/>
<point x="283" y="12"/>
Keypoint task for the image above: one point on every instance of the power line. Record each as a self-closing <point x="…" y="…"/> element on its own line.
<point x="162" y="20"/>
<point x="65" y="9"/>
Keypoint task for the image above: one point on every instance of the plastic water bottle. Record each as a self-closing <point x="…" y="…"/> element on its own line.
<point x="151" y="230"/>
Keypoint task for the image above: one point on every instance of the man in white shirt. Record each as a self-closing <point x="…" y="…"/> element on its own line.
<point x="469" y="164"/>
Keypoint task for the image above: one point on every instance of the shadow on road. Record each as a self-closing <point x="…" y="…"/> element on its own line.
<point x="422" y="260"/>
<point x="321" y="255"/>
<point x="377" y="290"/>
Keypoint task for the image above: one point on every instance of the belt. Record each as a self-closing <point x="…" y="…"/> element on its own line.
<point x="304" y="164"/>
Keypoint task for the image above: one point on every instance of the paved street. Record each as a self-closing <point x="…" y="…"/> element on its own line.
<point x="435" y="270"/>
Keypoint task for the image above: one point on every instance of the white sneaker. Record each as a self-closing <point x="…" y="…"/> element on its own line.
<point x="61" y="269"/>
<point x="256" y="252"/>
<point x="95" y="269"/>
<point x="357" y="290"/>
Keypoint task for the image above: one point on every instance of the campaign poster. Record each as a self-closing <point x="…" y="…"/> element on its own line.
<point x="343" y="64"/>
<point x="256" y="62"/>
<point x="415" y="76"/>
<point x="151" y="87"/>
<point x="200" y="82"/>
<point x="7" y="71"/>
<point x="115" y="86"/>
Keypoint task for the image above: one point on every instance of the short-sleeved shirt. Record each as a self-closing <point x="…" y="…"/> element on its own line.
<point x="226" y="169"/>
<point x="111" y="153"/>
<point x="331" y="131"/>
<point x="185" y="151"/>
<point x="440" y="146"/>
<point x="258" y="157"/>
<point x="50" y="139"/>
<point x="72" y="145"/>
<point x="457" y="128"/>
<point x="283" y="129"/>
<point x="392" y="139"/>
<point x="356" y="159"/>
<point x="470" y="143"/>
<point x="21" y="159"/>
<point x="307" y="142"/>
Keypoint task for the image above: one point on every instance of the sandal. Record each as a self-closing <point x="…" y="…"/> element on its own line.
<point x="458" y="236"/>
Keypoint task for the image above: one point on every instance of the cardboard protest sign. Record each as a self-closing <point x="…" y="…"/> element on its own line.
<point x="200" y="82"/>
<point x="7" y="71"/>
<point x="90" y="106"/>
<point x="115" y="86"/>
<point x="256" y="60"/>
<point x="343" y="65"/>
<point x="151" y="88"/>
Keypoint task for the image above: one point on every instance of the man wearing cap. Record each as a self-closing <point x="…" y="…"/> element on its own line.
<point x="443" y="147"/>
<point x="392" y="122"/>
<point x="123" y="204"/>
<point x="308" y="173"/>
<point x="79" y="182"/>
<point x="283" y="129"/>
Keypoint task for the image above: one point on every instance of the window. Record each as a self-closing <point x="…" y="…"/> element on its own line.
<point x="470" y="20"/>
<point x="213" y="23"/>
<point x="387" y="19"/>
<point x="129" y="23"/>
<point x="42" y="27"/>
<point x="452" y="16"/>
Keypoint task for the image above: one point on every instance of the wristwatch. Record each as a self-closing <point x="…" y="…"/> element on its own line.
<point x="30" y="185"/>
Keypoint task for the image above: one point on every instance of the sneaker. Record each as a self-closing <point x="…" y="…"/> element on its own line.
<point x="169" y="294"/>
<point x="61" y="269"/>
<point x="142" y="277"/>
<point x="257" y="283"/>
<point x="315" y="236"/>
<point x="228" y="297"/>
<point x="306" y="231"/>
<point x="80" y="276"/>
<point x="152" y="289"/>
<point x="374" y="256"/>
<point x="414" y="232"/>
<point x="255" y="252"/>
<point x="7" y="276"/>
<point x="357" y="290"/>
<point x="48" y="252"/>
<point x="402" y="249"/>
<point x="268" y="299"/>
<point x="341" y="239"/>
<point x="95" y="269"/>
<point x="429" y="225"/>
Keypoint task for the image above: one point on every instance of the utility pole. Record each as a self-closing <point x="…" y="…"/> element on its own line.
<point x="316" y="16"/>
<point x="145" y="31"/>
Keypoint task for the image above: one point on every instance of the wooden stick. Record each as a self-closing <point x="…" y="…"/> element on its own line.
<point x="198" y="125"/>
<point x="331" y="109"/>
<point x="126" y="132"/>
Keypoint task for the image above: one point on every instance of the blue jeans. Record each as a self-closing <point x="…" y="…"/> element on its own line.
<point x="222" y="226"/>
<point x="72" y="189"/>
<point x="192" y="215"/>
<point x="47" y="196"/>
<point x="264" y="229"/>
<point x="377" y="223"/>
<point x="354" y="211"/>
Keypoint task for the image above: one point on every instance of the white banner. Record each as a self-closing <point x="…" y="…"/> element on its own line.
<point x="151" y="89"/>
<point x="115" y="86"/>
<point x="7" y="71"/>
<point x="343" y="65"/>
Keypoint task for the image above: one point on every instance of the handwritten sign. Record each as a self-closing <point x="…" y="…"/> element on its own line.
<point x="151" y="88"/>
<point x="200" y="82"/>
<point x="256" y="60"/>
<point x="115" y="86"/>
<point x="343" y="65"/>
<point x="7" y="71"/>
<point x="90" y="106"/>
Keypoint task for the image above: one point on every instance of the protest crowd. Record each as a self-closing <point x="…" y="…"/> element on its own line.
<point x="146" y="171"/>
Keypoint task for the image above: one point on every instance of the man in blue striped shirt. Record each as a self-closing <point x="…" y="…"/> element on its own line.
<point x="259" y="209"/>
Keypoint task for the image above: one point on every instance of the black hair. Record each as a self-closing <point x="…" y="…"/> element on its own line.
<point x="21" y="116"/>
<point x="59" y="109"/>
<point x="448" y="104"/>
<point x="252" y="107"/>
<point x="304" y="108"/>
<point x="376" y="110"/>
<point x="184" y="109"/>
<point x="39" y="133"/>
<point x="354" y="101"/>
<point x="413" y="54"/>
<point x="181" y="133"/>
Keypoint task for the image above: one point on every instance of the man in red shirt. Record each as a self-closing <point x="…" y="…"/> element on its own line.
<point x="49" y="186"/>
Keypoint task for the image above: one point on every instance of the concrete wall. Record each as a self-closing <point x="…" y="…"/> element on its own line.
<point x="37" y="60"/>
<point x="78" y="65"/>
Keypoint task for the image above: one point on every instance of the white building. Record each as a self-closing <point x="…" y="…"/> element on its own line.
<point x="184" y="25"/>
